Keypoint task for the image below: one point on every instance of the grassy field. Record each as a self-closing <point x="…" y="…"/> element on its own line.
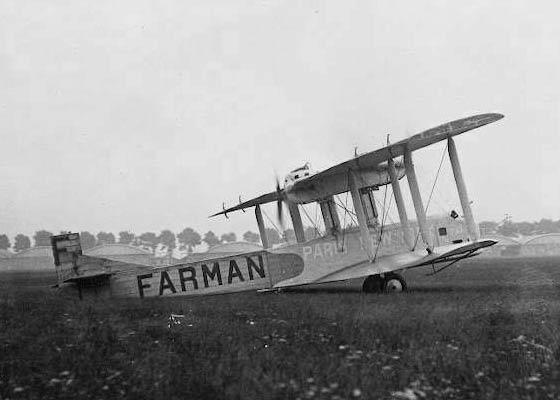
<point x="489" y="329"/>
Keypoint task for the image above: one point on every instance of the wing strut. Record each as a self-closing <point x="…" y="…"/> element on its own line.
<point x="367" y="242"/>
<point x="260" y="223"/>
<point x="296" y="222"/>
<point x="417" y="200"/>
<point x="400" y="204"/>
<point x="474" y="233"/>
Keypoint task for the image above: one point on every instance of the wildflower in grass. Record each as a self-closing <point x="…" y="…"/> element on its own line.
<point x="175" y="319"/>
<point x="342" y="347"/>
<point x="534" y="378"/>
<point x="64" y="373"/>
<point x="310" y="380"/>
<point x="479" y="374"/>
<point x="406" y="394"/>
<point x="113" y="376"/>
<point x="356" y="392"/>
<point x="333" y="385"/>
<point x="18" y="389"/>
<point x="520" y="338"/>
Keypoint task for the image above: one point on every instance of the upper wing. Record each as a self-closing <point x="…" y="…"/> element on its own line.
<point x="265" y="198"/>
<point x="373" y="159"/>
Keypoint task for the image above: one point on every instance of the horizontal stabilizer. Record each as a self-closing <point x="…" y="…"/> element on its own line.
<point x="92" y="278"/>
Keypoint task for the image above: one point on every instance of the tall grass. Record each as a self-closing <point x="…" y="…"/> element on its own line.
<point x="480" y="332"/>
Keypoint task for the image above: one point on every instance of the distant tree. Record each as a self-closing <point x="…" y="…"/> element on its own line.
<point x="211" y="239"/>
<point x="167" y="238"/>
<point x="21" y="242"/>
<point x="42" y="238"/>
<point x="311" y="233"/>
<point x="507" y="229"/>
<point x="189" y="239"/>
<point x="105" y="238"/>
<point x="273" y="236"/>
<point x="4" y="242"/>
<point x="546" y="226"/>
<point x="229" y="237"/>
<point x="87" y="240"/>
<point x="126" y="237"/>
<point x="524" y="228"/>
<point x="289" y="235"/>
<point x="488" y="227"/>
<point x="149" y="239"/>
<point x="251" y="237"/>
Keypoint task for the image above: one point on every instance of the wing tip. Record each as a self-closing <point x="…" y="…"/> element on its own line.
<point x="496" y="116"/>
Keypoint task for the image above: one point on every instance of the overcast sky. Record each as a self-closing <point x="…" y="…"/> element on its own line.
<point x="146" y="115"/>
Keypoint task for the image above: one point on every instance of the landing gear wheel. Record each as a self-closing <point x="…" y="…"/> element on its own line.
<point x="373" y="284"/>
<point x="394" y="283"/>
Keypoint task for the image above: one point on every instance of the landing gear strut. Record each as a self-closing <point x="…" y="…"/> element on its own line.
<point x="391" y="282"/>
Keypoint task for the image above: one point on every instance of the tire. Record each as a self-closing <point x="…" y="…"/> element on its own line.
<point x="373" y="284"/>
<point x="394" y="283"/>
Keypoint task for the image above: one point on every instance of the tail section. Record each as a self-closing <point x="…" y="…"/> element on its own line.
<point x="66" y="251"/>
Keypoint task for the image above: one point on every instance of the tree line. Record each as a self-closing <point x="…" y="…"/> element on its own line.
<point x="507" y="227"/>
<point x="187" y="239"/>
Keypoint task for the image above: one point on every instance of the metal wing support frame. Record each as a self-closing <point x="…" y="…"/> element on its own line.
<point x="352" y="171"/>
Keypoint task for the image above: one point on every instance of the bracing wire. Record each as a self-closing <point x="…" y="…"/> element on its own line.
<point x="343" y="228"/>
<point x="274" y="225"/>
<point x="346" y="210"/>
<point x="315" y="218"/>
<point x="431" y="192"/>
<point x="312" y="222"/>
<point x="383" y="219"/>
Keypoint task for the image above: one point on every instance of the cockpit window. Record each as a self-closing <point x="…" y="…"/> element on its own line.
<point x="296" y="177"/>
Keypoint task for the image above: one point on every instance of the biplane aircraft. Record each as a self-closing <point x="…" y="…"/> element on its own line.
<point x="341" y="254"/>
